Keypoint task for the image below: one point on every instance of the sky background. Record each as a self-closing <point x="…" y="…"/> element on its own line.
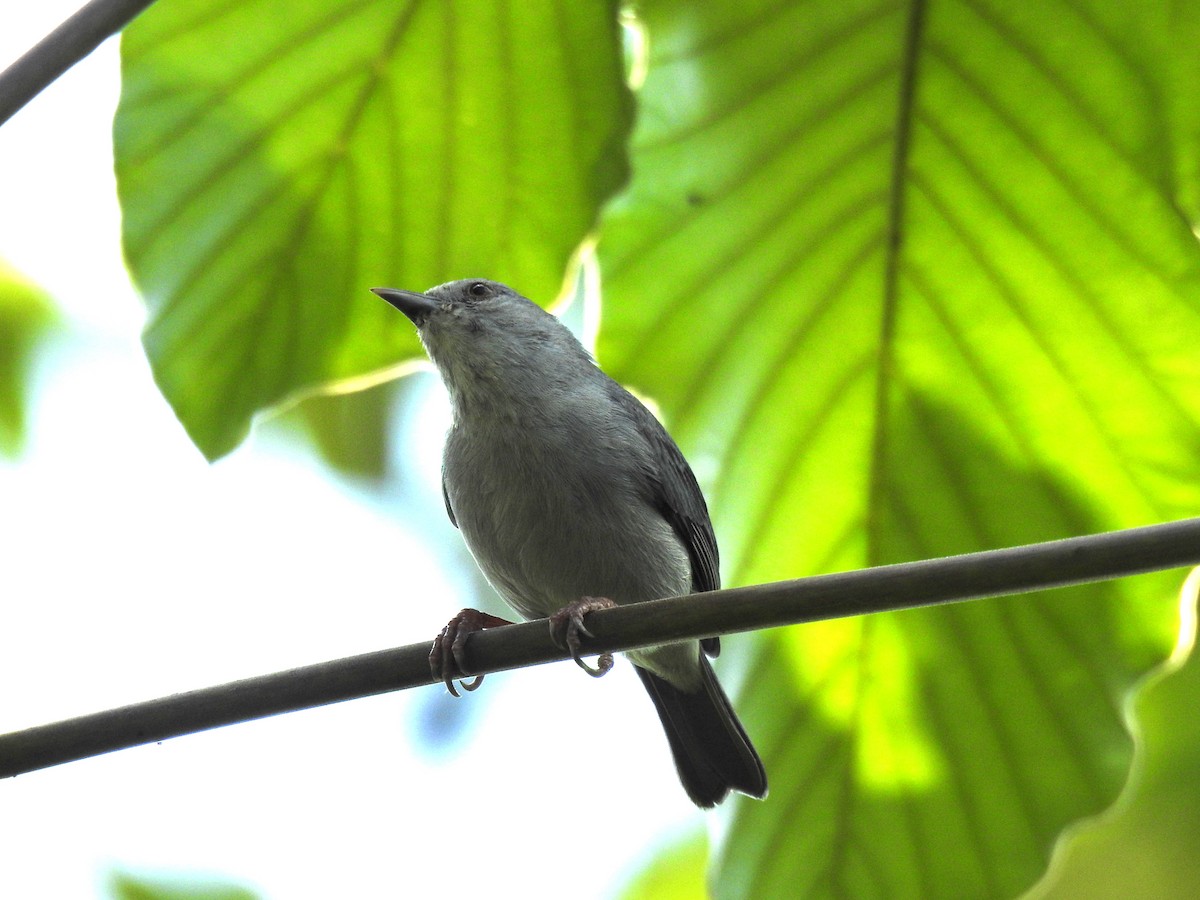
<point x="130" y="568"/>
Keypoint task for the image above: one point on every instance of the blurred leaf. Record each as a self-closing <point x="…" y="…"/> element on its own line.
<point x="25" y="316"/>
<point x="330" y="147"/>
<point x="868" y="269"/>
<point x="124" y="886"/>
<point x="677" y="873"/>
<point x="352" y="431"/>
<point x="1147" y="847"/>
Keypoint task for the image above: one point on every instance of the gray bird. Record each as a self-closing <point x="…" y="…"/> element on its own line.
<point x="571" y="496"/>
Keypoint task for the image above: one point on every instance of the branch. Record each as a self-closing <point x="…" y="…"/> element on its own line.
<point x="62" y="48"/>
<point x="949" y="580"/>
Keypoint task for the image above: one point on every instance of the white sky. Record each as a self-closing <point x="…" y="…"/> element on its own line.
<point x="130" y="569"/>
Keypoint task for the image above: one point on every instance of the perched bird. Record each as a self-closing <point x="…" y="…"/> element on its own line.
<point x="571" y="496"/>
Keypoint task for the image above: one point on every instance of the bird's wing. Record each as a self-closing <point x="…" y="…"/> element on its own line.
<point x="675" y="493"/>
<point x="446" y="497"/>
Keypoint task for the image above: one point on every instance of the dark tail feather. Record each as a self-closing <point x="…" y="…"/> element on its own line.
<point x="711" y="749"/>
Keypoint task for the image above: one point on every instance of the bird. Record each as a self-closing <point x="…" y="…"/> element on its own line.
<point x="571" y="497"/>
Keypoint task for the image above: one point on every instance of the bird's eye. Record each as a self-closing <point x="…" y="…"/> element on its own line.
<point x="478" y="289"/>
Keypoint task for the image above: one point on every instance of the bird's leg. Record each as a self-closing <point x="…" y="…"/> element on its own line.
<point x="566" y="626"/>
<point x="448" y="657"/>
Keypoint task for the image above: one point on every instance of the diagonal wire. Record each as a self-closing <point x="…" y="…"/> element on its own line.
<point x="951" y="579"/>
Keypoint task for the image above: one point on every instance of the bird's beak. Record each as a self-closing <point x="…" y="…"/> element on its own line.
<point x="416" y="306"/>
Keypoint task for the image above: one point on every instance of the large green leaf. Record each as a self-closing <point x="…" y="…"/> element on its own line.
<point x="25" y="315"/>
<point x="910" y="280"/>
<point x="276" y="159"/>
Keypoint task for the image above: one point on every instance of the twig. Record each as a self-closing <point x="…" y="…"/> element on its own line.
<point x="952" y="579"/>
<point x="62" y="48"/>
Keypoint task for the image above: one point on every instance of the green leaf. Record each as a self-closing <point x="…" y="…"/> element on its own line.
<point x="352" y="431"/>
<point x="330" y="147"/>
<point x="911" y="280"/>
<point x="25" y="317"/>
<point x="676" y="874"/>
<point x="125" y="886"/>
<point x="1147" y="848"/>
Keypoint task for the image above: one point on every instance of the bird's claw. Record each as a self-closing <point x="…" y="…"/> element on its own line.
<point x="448" y="656"/>
<point x="567" y="629"/>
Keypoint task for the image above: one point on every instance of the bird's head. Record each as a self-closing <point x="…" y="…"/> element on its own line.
<point x="484" y="337"/>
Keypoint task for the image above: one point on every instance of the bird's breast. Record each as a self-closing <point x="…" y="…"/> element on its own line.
<point x="552" y="514"/>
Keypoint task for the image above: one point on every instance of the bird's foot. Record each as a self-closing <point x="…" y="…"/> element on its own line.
<point x="448" y="657"/>
<point x="567" y="630"/>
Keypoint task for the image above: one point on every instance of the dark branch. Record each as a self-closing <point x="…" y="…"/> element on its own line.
<point x="62" y="48"/>
<point x="952" y="579"/>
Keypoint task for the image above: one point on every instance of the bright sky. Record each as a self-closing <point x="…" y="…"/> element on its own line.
<point x="130" y="569"/>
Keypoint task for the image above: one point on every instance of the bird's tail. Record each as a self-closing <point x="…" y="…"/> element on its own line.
<point x="711" y="749"/>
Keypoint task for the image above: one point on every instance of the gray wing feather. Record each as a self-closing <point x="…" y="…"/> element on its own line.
<point x="675" y="493"/>
<point x="446" y="498"/>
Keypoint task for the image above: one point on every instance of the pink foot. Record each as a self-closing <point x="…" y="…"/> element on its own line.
<point x="567" y="630"/>
<point x="448" y="657"/>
